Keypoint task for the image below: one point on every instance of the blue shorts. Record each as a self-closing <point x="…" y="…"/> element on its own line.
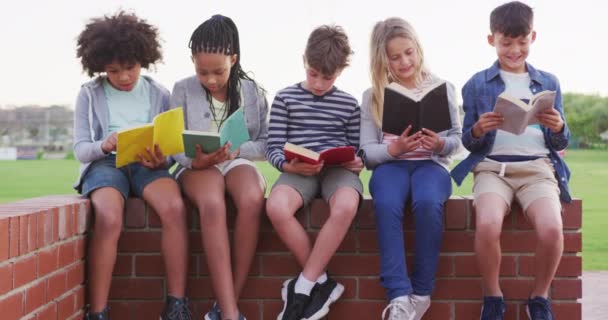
<point x="128" y="180"/>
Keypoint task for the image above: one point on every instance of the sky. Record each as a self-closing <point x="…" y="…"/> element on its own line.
<point x="38" y="64"/>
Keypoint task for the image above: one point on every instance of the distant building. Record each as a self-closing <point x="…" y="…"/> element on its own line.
<point x="36" y="126"/>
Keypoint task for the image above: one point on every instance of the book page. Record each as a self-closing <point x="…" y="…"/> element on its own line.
<point x="515" y="117"/>
<point x="235" y="130"/>
<point x="131" y="142"/>
<point x="168" y="127"/>
<point x="542" y="101"/>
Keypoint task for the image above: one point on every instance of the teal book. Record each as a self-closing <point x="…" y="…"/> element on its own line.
<point x="234" y="130"/>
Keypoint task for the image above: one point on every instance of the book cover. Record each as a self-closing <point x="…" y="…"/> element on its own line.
<point x="234" y="130"/>
<point x="332" y="156"/>
<point x="164" y="130"/>
<point x="402" y="109"/>
<point x="519" y="114"/>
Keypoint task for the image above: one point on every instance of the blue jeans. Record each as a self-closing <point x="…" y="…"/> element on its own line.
<point x="427" y="186"/>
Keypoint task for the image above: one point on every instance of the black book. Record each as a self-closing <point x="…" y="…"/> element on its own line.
<point x="402" y="109"/>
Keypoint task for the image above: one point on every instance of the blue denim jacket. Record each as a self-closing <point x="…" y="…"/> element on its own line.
<point x="479" y="96"/>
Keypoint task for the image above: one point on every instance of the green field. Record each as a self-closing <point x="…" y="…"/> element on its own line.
<point x="26" y="179"/>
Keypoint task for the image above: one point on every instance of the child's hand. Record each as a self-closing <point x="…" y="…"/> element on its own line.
<point x="432" y="141"/>
<point x="206" y="160"/>
<point x="405" y="144"/>
<point x="355" y="165"/>
<point x="109" y="144"/>
<point x="155" y="158"/>
<point x="302" y="168"/>
<point x="551" y="119"/>
<point x="487" y="122"/>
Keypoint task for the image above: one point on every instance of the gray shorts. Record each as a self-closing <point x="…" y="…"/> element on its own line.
<point x="324" y="184"/>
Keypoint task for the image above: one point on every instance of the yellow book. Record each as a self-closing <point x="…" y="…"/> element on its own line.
<point x="165" y="130"/>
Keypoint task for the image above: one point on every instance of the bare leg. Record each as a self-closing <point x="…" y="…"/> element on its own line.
<point x="491" y="210"/>
<point x="281" y="207"/>
<point x="545" y="216"/>
<point x="165" y="198"/>
<point x="108" y="204"/>
<point x="342" y="209"/>
<point x="206" y="189"/>
<point x="247" y="191"/>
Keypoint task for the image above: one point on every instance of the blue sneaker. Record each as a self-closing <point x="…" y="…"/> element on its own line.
<point x="176" y="309"/>
<point x="493" y="308"/>
<point x="539" y="308"/>
<point x="103" y="315"/>
<point x="214" y="313"/>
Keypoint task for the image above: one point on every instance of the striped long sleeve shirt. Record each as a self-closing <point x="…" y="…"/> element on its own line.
<point x="314" y="122"/>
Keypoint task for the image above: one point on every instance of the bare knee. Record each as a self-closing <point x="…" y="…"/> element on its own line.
<point x="344" y="211"/>
<point x="550" y="235"/>
<point x="212" y="210"/>
<point x="108" y="221"/>
<point x="171" y="210"/>
<point x="250" y="203"/>
<point x="488" y="226"/>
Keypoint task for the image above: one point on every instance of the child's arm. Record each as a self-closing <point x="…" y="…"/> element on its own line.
<point x="178" y="99"/>
<point x="453" y="141"/>
<point x="255" y="149"/>
<point x="353" y="127"/>
<point x="277" y="133"/>
<point x="85" y="148"/>
<point x="558" y="134"/>
<point x="374" y="151"/>
<point x="475" y="125"/>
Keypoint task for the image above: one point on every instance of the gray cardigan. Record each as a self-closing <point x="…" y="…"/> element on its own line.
<point x="189" y="94"/>
<point x="375" y="152"/>
<point x="91" y="117"/>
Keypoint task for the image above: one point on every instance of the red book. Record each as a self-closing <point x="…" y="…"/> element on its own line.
<point x="332" y="156"/>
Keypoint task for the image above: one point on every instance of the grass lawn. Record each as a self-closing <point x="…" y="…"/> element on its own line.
<point x="27" y="179"/>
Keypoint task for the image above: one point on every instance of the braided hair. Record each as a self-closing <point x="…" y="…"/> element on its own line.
<point x="219" y="34"/>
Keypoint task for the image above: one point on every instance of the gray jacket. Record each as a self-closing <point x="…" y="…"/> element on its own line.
<point x="189" y="94"/>
<point x="375" y="152"/>
<point x="91" y="117"/>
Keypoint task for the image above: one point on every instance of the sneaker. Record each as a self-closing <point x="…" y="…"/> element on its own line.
<point x="293" y="303"/>
<point x="214" y="313"/>
<point x="103" y="315"/>
<point x="539" y="308"/>
<point x="321" y="297"/>
<point x="421" y="304"/>
<point x="176" y="309"/>
<point x="493" y="308"/>
<point x="399" y="310"/>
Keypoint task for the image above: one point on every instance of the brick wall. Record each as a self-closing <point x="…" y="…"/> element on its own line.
<point x="138" y="286"/>
<point x="42" y="249"/>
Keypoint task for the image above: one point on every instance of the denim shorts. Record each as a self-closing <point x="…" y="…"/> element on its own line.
<point x="129" y="180"/>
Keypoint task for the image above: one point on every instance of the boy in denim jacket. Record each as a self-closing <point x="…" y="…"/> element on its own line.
<point x="526" y="167"/>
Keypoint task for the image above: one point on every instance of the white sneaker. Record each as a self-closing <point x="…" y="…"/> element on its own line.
<point x="421" y="304"/>
<point x="399" y="309"/>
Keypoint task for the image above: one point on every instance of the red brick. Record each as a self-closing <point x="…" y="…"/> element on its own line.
<point x="518" y="241"/>
<point x="193" y="264"/>
<point x="75" y="275"/>
<point x="153" y="219"/>
<point x="573" y="242"/>
<point x="149" y="265"/>
<point x="6" y="278"/>
<point x="23" y="235"/>
<point x="195" y="242"/>
<point x="35" y="296"/>
<point x="272" y="308"/>
<point x="457" y="241"/>
<point x="66" y="306"/>
<point x="200" y="288"/>
<point x="135" y="213"/>
<point x="136" y="289"/>
<point x="319" y="213"/>
<point x="32" y="232"/>
<point x="45" y="229"/>
<point x="516" y="288"/>
<point x="48" y="260"/>
<point x="139" y="242"/>
<point x="438" y="310"/>
<point x="565" y="289"/>
<point x="80" y="250"/>
<point x="66" y="253"/>
<point x="350" y="286"/>
<point x="371" y="288"/>
<point x="466" y="266"/>
<point x="120" y="310"/>
<point x="457" y="289"/>
<point x="49" y="312"/>
<point x="354" y="265"/>
<point x="65" y="222"/>
<point x="569" y="266"/>
<point x="124" y="265"/>
<point x="56" y="285"/>
<point x="365" y="217"/>
<point x="4" y="239"/>
<point x="456" y="213"/>
<point x="79" y="296"/>
<point x="263" y="288"/>
<point x="253" y="309"/>
<point x="280" y="265"/>
<point x="24" y="271"/>
<point x="145" y="310"/>
<point x="12" y="306"/>
<point x="270" y="242"/>
<point x="82" y="217"/>
<point x="573" y="215"/>
<point x="13" y="237"/>
<point x="567" y="311"/>
<point x="368" y="241"/>
<point x="356" y="310"/>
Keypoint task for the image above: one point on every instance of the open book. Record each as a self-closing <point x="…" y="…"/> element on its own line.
<point x="332" y="156"/>
<point x="234" y="130"/>
<point x="518" y="114"/>
<point x="402" y="109"/>
<point x="164" y="130"/>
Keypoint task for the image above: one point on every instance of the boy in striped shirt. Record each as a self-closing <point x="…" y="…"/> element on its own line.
<point x="316" y="115"/>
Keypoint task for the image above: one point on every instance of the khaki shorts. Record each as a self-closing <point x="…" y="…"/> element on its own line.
<point x="325" y="183"/>
<point x="527" y="181"/>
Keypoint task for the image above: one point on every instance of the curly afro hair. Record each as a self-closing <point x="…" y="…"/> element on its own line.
<point x="122" y="38"/>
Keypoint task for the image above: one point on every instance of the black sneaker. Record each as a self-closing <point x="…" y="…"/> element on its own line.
<point x="293" y="303"/>
<point x="321" y="297"/>
<point x="493" y="308"/>
<point x="176" y="309"/>
<point x="103" y="315"/>
<point x="539" y="308"/>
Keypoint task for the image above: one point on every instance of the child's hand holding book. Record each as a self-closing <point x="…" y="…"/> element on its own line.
<point x="207" y="160"/>
<point x="405" y="143"/>
<point x="487" y="122"/>
<point x="551" y="119"/>
<point x="154" y="160"/>
<point x="300" y="167"/>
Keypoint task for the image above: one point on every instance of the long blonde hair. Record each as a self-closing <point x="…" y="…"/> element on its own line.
<point x="380" y="73"/>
